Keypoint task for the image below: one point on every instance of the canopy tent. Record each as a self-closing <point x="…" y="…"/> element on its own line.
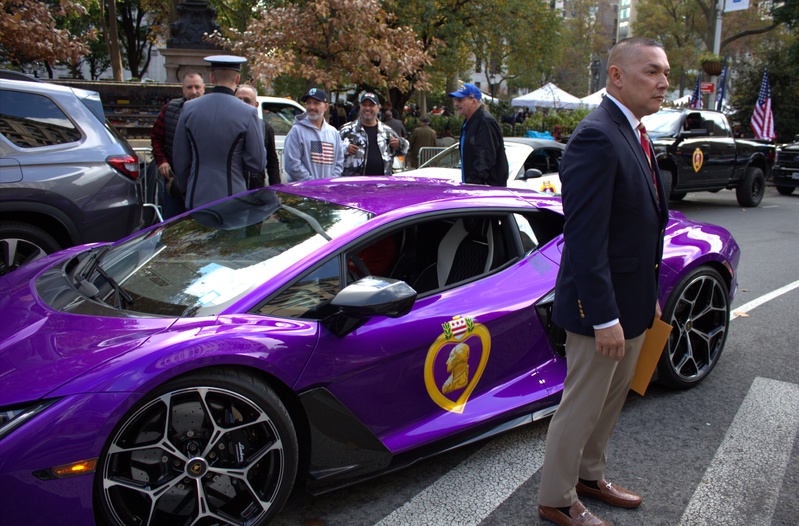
<point x="548" y="96"/>
<point x="595" y="99"/>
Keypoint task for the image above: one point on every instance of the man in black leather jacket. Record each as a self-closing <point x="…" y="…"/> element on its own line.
<point x="483" y="159"/>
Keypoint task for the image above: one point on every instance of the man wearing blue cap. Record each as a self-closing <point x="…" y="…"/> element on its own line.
<point x="219" y="139"/>
<point x="483" y="159"/>
<point x="312" y="149"/>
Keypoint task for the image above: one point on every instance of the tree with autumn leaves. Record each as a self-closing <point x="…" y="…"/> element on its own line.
<point x="33" y="31"/>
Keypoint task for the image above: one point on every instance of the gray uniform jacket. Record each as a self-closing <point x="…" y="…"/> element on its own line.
<point x="218" y="140"/>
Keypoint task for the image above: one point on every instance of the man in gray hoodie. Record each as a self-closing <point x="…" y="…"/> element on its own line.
<point x="312" y="149"/>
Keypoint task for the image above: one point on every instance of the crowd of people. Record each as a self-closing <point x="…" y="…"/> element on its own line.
<point x="207" y="147"/>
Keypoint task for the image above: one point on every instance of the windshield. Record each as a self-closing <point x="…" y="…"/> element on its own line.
<point x="662" y="122"/>
<point x="201" y="263"/>
<point x="449" y="158"/>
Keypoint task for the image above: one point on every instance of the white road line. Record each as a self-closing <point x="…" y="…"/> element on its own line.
<point x="741" y="485"/>
<point x="473" y="490"/>
<point x="763" y="299"/>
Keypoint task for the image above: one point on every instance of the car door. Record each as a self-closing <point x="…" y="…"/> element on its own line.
<point x="470" y="350"/>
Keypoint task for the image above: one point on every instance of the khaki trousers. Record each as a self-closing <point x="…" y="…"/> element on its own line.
<point x="593" y="395"/>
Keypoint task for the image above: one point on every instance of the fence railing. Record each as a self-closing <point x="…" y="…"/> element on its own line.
<point x="149" y="182"/>
<point x="428" y="152"/>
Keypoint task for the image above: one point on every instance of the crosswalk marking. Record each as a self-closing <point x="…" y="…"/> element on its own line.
<point x="750" y="463"/>
<point x="470" y="492"/>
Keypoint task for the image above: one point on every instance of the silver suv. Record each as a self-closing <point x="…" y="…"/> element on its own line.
<point x="66" y="176"/>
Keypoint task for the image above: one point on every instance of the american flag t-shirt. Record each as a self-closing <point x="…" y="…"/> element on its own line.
<point x="322" y="152"/>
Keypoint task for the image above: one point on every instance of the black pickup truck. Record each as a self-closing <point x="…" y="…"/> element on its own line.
<point x="785" y="172"/>
<point x="696" y="152"/>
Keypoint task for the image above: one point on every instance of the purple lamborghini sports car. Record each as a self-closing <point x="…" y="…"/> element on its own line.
<point x="315" y="334"/>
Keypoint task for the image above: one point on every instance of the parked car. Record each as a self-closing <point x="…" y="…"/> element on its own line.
<point x="696" y="151"/>
<point x="785" y="173"/>
<point x="66" y="176"/>
<point x="318" y="333"/>
<point x="279" y="112"/>
<point x="533" y="164"/>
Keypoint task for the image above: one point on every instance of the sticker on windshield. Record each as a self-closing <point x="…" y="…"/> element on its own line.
<point x="456" y="361"/>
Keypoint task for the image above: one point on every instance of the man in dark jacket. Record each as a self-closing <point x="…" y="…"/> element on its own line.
<point x="248" y="95"/>
<point x="483" y="159"/>
<point x="162" y="137"/>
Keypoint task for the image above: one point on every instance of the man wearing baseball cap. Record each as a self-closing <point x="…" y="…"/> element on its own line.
<point x="482" y="149"/>
<point x="312" y="149"/>
<point x="369" y="145"/>
<point x="218" y="139"/>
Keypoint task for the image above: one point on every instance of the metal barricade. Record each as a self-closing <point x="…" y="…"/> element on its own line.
<point x="150" y="191"/>
<point x="428" y="152"/>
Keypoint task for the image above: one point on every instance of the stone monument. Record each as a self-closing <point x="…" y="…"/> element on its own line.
<point x="186" y="47"/>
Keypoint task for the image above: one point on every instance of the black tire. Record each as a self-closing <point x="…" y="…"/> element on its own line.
<point x="212" y="445"/>
<point x="21" y="243"/>
<point x="751" y="188"/>
<point x="785" y="190"/>
<point x="698" y="311"/>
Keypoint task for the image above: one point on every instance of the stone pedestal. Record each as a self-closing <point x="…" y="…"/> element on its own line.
<point x="178" y="62"/>
<point x="186" y="48"/>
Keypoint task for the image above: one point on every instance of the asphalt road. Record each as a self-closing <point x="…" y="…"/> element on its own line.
<point x="722" y="453"/>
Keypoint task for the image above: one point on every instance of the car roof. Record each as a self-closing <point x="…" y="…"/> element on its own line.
<point x="536" y="143"/>
<point x="381" y="195"/>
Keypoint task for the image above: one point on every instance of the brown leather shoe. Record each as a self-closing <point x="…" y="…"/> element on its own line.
<point x="578" y="516"/>
<point x="610" y="493"/>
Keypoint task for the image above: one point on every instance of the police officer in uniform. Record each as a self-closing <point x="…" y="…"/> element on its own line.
<point x="219" y="139"/>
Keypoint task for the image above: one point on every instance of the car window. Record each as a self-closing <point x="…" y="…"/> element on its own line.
<point x="430" y="256"/>
<point x="538" y="227"/>
<point x="544" y="159"/>
<point x="279" y="116"/>
<point x="31" y="120"/>
<point x="716" y="125"/>
<point x="449" y="158"/>
<point x="308" y="296"/>
<point x="438" y="253"/>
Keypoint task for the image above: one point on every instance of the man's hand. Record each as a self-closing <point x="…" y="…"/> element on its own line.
<point x="164" y="169"/>
<point x="610" y="341"/>
<point x="658" y="312"/>
<point x="352" y="148"/>
<point x="394" y="142"/>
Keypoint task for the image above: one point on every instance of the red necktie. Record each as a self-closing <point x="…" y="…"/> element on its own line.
<point x="647" y="151"/>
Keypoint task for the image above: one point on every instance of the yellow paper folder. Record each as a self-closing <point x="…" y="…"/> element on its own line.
<point x="654" y="342"/>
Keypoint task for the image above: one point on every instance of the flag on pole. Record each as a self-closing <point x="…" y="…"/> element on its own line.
<point x="696" y="97"/>
<point x="722" y="91"/>
<point x="762" y="116"/>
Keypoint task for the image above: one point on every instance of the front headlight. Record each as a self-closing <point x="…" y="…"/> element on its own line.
<point x="14" y="416"/>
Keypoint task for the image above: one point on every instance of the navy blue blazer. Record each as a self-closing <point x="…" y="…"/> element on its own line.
<point x="615" y="222"/>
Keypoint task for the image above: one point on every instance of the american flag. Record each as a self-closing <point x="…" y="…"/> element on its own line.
<point x="696" y="97"/>
<point x="762" y="117"/>
<point x="322" y="152"/>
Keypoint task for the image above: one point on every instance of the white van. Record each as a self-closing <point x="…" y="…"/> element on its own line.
<point x="279" y="112"/>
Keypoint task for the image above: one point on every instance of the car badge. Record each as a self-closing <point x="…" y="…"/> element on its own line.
<point x="698" y="159"/>
<point x="456" y="361"/>
<point x="547" y="187"/>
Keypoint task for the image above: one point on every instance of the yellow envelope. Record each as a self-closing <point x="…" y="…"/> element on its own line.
<point x="654" y="342"/>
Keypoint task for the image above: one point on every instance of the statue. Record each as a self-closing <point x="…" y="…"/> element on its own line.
<point x="196" y="18"/>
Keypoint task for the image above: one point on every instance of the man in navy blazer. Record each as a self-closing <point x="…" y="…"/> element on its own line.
<point x="606" y="294"/>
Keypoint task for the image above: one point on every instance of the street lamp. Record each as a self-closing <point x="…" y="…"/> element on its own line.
<point x="491" y="88"/>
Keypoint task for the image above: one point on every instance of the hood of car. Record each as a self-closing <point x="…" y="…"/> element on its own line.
<point x="42" y="349"/>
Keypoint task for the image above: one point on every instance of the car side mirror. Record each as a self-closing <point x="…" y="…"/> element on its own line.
<point x="532" y="173"/>
<point x="368" y="297"/>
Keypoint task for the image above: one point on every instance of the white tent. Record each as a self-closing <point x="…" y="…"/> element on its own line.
<point x="549" y="96"/>
<point x="595" y="99"/>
